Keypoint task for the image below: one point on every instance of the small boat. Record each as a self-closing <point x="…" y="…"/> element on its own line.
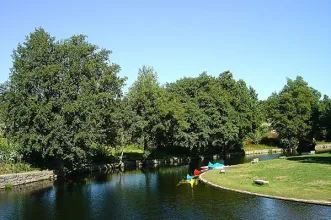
<point x="218" y="166"/>
<point x="193" y="182"/>
<point x="197" y="172"/>
<point x="184" y="182"/>
<point x="210" y="165"/>
<point x="205" y="168"/>
<point x="215" y="166"/>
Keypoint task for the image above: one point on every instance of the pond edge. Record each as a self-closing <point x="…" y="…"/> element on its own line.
<point x="17" y="179"/>
<point x="315" y="202"/>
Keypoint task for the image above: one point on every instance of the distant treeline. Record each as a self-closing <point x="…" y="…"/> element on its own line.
<point x="64" y="107"/>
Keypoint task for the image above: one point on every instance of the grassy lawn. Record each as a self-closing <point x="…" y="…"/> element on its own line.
<point x="322" y="142"/>
<point x="133" y="149"/>
<point x="15" y="168"/>
<point x="302" y="177"/>
<point x="132" y="152"/>
<point x="252" y="147"/>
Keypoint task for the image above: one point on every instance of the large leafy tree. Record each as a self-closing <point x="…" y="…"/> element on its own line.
<point x="143" y="96"/>
<point x="158" y="116"/>
<point x="292" y="113"/>
<point x="63" y="100"/>
<point x="189" y="94"/>
<point x="220" y="112"/>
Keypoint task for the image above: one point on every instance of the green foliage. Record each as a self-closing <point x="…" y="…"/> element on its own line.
<point x="8" y="187"/>
<point x="143" y="97"/>
<point x="63" y="100"/>
<point x="8" y="152"/>
<point x="4" y="146"/>
<point x="146" y="154"/>
<point x="63" y="108"/>
<point x="257" y="135"/>
<point x="292" y="112"/>
<point x="7" y="168"/>
<point x="323" y="128"/>
<point x="3" y="107"/>
<point x="219" y="111"/>
<point x="158" y="116"/>
<point x="322" y="143"/>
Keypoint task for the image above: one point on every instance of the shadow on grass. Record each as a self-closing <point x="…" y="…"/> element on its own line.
<point x="323" y="159"/>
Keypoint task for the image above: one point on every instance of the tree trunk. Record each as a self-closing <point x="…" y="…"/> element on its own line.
<point x="145" y="145"/>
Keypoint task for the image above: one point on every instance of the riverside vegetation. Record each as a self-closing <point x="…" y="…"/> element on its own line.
<point x="63" y="108"/>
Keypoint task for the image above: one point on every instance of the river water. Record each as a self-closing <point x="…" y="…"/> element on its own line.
<point x="149" y="193"/>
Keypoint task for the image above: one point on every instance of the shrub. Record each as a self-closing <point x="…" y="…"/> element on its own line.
<point x="8" y="152"/>
<point x="8" y="187"/>
<point x="7" y="168"/>
<point x="4" y="146"/>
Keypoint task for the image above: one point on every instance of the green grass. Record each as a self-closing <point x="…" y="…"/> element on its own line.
<point x="322" y="142"/>
<point x="15" y="168"/>
<point x="132" y="152"/>
<point x="303" y="177"/>
<point x="133" y="149"/>
<point x="252" y="147"/>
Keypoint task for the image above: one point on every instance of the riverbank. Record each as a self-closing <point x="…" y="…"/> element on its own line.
<point x="7" y="181"/>
<point x="302" y="178"/>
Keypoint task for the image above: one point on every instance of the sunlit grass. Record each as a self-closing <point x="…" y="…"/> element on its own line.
<point x="303" y="177"/>
<point x="322" y="142"/>
<point x="6" y="168"/>
<point x="252" y="147"/>
<point x="133" y="149"/>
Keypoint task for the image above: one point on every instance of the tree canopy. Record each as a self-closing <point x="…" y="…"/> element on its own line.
<point x="62" y="100"/>
<point x="63" y="108"/>
<point x="292" y="112"/>
<point x="220" y="111"/>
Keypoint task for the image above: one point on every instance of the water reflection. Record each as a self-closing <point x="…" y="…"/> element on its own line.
<point x="149" y="193"/>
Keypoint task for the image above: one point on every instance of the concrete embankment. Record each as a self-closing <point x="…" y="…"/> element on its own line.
<point x="169" y="161"/>
<point x="271" y="151"/>
<point x="320" y="148"/>
<point x="17" y="179"/>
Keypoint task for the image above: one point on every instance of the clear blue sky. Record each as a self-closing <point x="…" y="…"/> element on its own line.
<point x="262" y="42"/>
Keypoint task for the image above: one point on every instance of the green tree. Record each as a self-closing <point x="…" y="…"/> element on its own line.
<point x="323" y="126"/>
<point x="158" y="116"/>
<point x="258" y="134"/>
<point x="292" y="114"/>
<point x="143" y="95"/>
<point x="3" y="107"/>
<point x="220" y="112"/>
<point x="61" y="100"/>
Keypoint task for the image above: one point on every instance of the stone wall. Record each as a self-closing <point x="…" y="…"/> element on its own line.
<point x="169" y="161"/>
<point x="272" y="151"/>
<point x="24" y="178"/>
<point x="320" y="148"/>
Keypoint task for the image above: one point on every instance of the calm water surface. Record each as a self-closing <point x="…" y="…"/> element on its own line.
<point x="150" y="193"/>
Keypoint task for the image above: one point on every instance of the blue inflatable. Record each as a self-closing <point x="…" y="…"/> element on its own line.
<point x="210" y="165"/>
<point x="218" y="165"/>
